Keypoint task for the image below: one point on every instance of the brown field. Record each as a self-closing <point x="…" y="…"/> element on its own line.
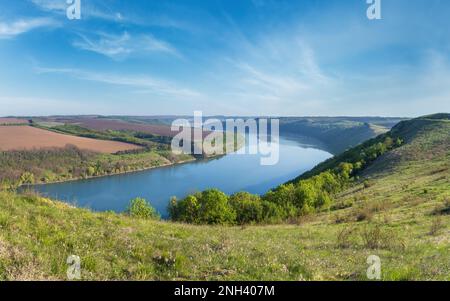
<point x="117" y="125"/>
<point x="27" y="137"/>
<point x="12" y="121"/>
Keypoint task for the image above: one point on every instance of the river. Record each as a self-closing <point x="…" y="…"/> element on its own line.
<point x="230" y="173"/>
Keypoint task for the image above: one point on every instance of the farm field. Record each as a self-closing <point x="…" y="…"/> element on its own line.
<point x="27" y="138"/>
<point x="110" y="124"/>
<point x="6" y="121"/>
<point x="98" y="124"/>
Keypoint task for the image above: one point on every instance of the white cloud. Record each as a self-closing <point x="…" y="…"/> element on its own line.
<point x="143" y="83"/>
<point x="121" y="46"/>
<point x="11" y="29"/>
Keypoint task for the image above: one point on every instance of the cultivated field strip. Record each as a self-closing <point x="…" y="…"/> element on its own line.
<point x="27" y="137"/>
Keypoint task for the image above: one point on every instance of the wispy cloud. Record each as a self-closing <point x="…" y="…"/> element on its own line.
<point x="142" y="83"/>
<point x="14" y="28"/>
<point x="121" y="46"/>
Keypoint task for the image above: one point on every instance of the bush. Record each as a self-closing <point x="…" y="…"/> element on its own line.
<point x="368" y="183"/>
<point x="27" y="178"/>
<point x="215" y="209"/>
<point x="140" y="208"/>
<point x="248" y="207"/>
<point x="363" y="214"/>
<point x="374" y="237"/>
<point x="272" y="213"/>
<point x="436" y="226"/>
<point x="207" y="207"/>
<point x="443" y="209"/>
<point x="344" y="237"/>
<point x="186" y="210"/>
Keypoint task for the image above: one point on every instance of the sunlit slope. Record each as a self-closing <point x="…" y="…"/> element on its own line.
<point x="422" y="137"/>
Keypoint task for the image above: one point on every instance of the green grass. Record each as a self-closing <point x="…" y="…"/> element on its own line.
<point x="406" y="224"/>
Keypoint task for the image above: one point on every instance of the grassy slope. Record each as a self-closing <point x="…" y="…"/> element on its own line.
<point x="37" y="235"/>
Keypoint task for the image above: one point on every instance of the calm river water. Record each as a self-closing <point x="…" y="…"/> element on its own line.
<point x="231" y="173"/>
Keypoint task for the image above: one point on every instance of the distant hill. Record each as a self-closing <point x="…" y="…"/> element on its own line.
<point x="337" y="133"/>
<point x="334" y="134"/>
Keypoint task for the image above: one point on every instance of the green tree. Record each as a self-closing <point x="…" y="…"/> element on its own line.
<point x="215" y="208"/>
<point x="27" y="178"/>
<point x="140" y="208"/>
<point x="248" y="207"/>
<point x="345" y="169"/>
<point x="90" y="171"/>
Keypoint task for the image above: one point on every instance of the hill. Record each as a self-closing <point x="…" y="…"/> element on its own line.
<point x="337" y="133"/>
<point x="398" y="210"/>
<point x="421" y="136"/>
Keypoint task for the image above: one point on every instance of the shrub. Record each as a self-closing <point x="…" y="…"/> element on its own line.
<point x="374" y="237"/>
<point x="186" y="210"/>
<point x="368" y="183"/>
<point x="215" y="209"/>
<point x="140" y="208"/>
<point x="27" y="178"/>
<point x="248" y="207"/>
<point x="436" y="226"/>
<point x="344" y="237"/>
<point x="442" y="209"/>
<point x="363" y="214"/>
<point x="342" y="204"/>
<point x="272" y="213"/>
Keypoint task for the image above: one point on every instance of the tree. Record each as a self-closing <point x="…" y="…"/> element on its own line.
<point x="248" y="207"/>
<point x="190" y="209"/>
<point x="215" y="209"/>
<point x="27" y="178"/>
<point x="140" y="208"/>
<point x="345" y="170"/>
<point x="90" y="171"/>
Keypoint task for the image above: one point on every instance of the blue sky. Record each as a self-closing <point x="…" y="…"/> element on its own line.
<point x="228" y="57"/>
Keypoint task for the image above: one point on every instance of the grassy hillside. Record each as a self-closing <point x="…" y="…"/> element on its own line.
<point x="401" y="214"/>
<point x="425" y="135"/>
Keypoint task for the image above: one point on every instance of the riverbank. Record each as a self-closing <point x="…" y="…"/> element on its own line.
<point x="114" y="174"/>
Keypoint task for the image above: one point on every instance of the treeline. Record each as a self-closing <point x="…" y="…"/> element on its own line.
<point x="360" y="156"/>
<point x="288" y="201"/>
